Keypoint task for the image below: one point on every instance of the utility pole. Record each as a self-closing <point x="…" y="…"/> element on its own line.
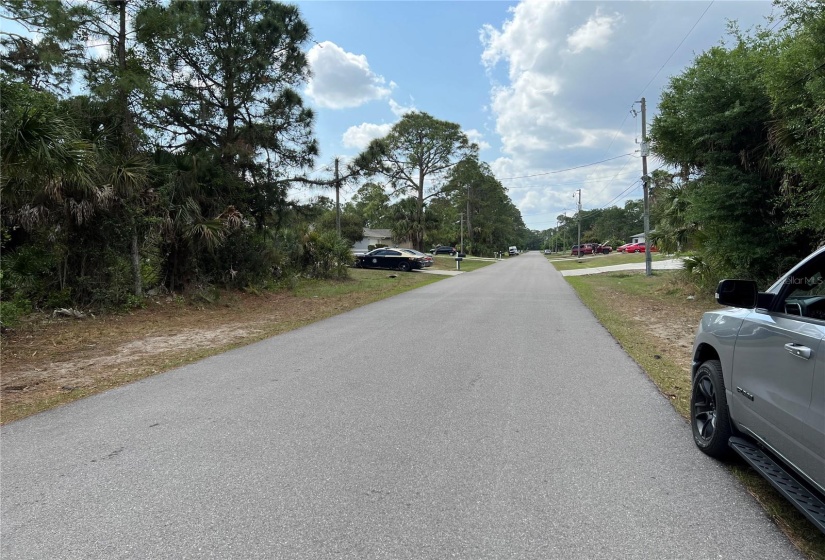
<point x="462" y="232"/>
<point x="579" y="214"/>
<point x="556" y="238"/>
<point x="337" y="200"/>
<point x="646" y="183"/>
<point x="469" y="224"/>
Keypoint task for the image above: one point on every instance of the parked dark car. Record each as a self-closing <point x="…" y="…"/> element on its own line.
<point x="427" y="259"/>
<point x="758" y="381"/>
<point x="395" y="259"/>
<point x="443" y="250"/>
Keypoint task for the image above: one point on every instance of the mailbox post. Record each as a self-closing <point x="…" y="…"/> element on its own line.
<point x="458" y="262"/>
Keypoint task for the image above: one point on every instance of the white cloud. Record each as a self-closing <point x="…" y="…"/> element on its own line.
<point x="542" y="113"/>
<point x="341" y="79"/>
<point x="477" y="138"/>
<point x="523" y="40"/>
<point x="594" y="34"/>
<point x="360" y="136"/>
<point x="400" y="110"/>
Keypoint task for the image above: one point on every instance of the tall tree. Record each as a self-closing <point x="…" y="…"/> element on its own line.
<point x="227" y="72"/>
<point x="712" y="122"/>
<point x="115" y="80"/>
<point x="48" y="62"/>
<point x="372" y="204"/>
<point x="414" y="157"/>
<point x="795" y="82"/>
<point x="491" y="220"/>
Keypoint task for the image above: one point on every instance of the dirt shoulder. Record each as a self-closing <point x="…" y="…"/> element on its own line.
<point x="53" y="360"/>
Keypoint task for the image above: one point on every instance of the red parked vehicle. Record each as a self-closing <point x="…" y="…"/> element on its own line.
<point x="591" y="249"/>
<point x="639" y="248"/>
<point x="586" y="249"/>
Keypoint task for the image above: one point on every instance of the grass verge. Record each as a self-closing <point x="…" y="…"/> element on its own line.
<point x="662" y="306"/>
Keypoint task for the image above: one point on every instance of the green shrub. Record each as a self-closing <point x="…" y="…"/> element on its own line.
<point x="12" y="311"/>
<point x="326" y="255"/>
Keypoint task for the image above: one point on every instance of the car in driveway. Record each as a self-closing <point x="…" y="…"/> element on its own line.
<point x="394" y="259"/>
<point x="443" y="250"/>
<point x="579" y="250"/>
<point x="638" y="248"/>
<point x="427" y="259"/>
<point x="758" y="381"/>
<point x="621" y="248"/>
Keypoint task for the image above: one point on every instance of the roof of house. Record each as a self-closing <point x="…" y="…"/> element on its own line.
<point x="378" y="233"/>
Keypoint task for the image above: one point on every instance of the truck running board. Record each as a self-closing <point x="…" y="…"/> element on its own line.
<point x="794" y="491"/>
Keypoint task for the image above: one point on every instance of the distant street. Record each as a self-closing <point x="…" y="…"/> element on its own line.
<point x="486" y="416"/>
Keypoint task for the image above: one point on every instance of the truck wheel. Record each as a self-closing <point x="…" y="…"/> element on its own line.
<point x="709" y="415"/>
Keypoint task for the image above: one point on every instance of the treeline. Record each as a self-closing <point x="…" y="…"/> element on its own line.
<point x="744" y="128"/>
<point x="175" y="165"/>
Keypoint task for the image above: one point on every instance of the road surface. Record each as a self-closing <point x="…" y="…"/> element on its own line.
<point x="467" y="419"/>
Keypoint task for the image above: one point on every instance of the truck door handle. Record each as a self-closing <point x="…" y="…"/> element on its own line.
<point x="798" y="350"/>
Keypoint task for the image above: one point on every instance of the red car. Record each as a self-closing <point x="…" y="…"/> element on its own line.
<point x="586" y="249"/>
<point x="637" y="248"/>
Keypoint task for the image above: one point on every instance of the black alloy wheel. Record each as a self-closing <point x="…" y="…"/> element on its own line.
<point x="404" y="266"/>
<point x="709" y="416"/>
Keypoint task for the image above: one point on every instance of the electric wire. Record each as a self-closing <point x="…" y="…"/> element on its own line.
<point x="677" y="48"/>
<point x="564" y="170"/>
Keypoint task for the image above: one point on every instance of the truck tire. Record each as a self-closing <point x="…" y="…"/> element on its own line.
<point x="709" y="413"/>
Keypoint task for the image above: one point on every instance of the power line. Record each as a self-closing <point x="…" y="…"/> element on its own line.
<point x="613" y="179"/>
<point x="677" y="48"/>
<point x="621" y="194"/>
<point x="574" y="183"/>
<point x="564" y="170"/>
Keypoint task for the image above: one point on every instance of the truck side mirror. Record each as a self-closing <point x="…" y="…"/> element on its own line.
<point x="737" y="293"/>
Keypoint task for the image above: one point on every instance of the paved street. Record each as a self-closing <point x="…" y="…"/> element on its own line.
<point x="485" y="416"/>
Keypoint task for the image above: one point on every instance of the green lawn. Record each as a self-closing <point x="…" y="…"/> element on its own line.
<point x="468" y="264"/>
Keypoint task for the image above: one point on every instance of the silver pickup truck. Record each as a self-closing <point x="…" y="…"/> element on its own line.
<point x="758" y="381"/>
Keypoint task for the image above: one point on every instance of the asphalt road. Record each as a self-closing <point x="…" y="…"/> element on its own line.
<point x="459" y="420"/>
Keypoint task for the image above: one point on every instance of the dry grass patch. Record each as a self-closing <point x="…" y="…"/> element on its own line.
<point x="50" y="361"/>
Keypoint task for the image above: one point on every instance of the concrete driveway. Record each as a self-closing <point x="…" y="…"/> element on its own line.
<point x="666" y="264"/>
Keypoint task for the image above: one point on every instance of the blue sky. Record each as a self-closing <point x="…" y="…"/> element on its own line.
<point x="542" y="86"/>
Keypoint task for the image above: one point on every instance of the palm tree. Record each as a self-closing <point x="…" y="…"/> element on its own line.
<point x="673" y="228"/>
